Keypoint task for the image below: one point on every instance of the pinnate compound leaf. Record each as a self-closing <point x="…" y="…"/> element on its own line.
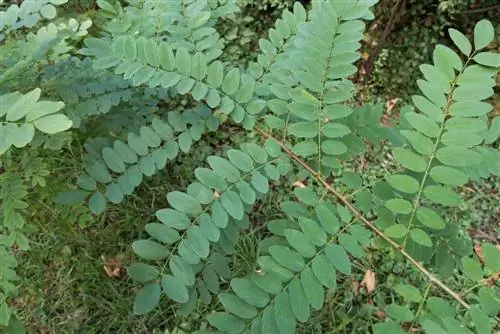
<point x="483" y="34"/>
<point x="184" y="203"/>
<point x="142" y="272"/>
<point x="149" y="250"/>
<point x="174" y="288"/>
<point x="225" y="322"/>
<point x="147" y="298"/>
<point x="237" y="306"/>
<point x="421" y="237"/>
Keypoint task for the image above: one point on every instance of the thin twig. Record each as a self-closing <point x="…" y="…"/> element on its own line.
<point x="368" y="223"/>
<point x="480" y="10"/>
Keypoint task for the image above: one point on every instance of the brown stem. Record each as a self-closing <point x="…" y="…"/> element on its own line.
<point x="480" y="10"/>
<point x="368" y="223"/>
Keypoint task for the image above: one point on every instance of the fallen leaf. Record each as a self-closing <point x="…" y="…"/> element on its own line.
<point x="112" y="267"/>
<point x="369" y="282"/>
<point x="380" y="314"/>
<point x="355" y="287"/>
<point x="479" y="252"/>
<point x="298" y="184"/>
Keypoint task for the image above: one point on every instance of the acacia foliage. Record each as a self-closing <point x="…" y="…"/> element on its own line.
<point x="297" y="95"/>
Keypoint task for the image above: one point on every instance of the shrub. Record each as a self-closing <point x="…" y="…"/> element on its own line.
<point x="295" y="103"/>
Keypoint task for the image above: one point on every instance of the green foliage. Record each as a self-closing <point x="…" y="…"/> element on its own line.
<point x="153" y="84"/>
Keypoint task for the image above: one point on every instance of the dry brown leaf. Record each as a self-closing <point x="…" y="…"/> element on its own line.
<point x="298" y="184"/>
<point x="112" y="267"/>
<point x="380" y="314"/>
<point x="479" y="252"/>
<point x="216" y="194"/>
<point x="355" y="287"/>
<point x="369" y="282"/>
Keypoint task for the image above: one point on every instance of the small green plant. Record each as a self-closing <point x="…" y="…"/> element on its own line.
<point x="120" y="92"/>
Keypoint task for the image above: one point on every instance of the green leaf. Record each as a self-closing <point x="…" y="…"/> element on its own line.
<point x="483" y="34"/>
<point x="458" y="156"/>
<point x="149" y="250"/>
<point x="327" y="219"/>
<point x="147" y="298"/>
<point x="287" y="258"/>
<point x="339" y="258"/>
<point x="399" y="205"/>
<point x="182" y="270"/>
<point x="52" y="124"/>
<point x="333" y="147"/>
<point x="225" y="322"/>
<point x="419" y="142"/>
<point x="249" y="292"/>
<point x="313" y="231"/>
<point x="488" y="59"/>
<point x="198" y="242"/>
<point x="142" y="272"/>
<point x="469" y="108"/>
<point x="410" y="160"/>
<point x="404" y="183"/>
<point x="300" y="243"/>
<point x="231" y="82"/>
<point x="185" y="142"/>
<point x="488" y="301"/>
<point x="184" y="203"/>
<point x="421" y="237"/>
<point x="461" y="41"/>
<point x="430" y="218"/>
<point x="174" y="288"/>
<point x="215" y="73"/>
<point x="480" y="320"/>
<point x="224" y="168"/>
<point x="97" y="203"/>
<point x="432" y="92"/>
<point x="312" y="289"/>
<point x="335" y="130"/>
<point x="449" y="176"/>
<point x="240" y="159"/>
<point x="259" y="182"/>
<point x="440" y="307"/>
<point x="472" y="268"/>
<point x="399" y="312"/>
<point x="396" y="231"/>
<point x="305" y="148"/>
<point x="268" y="282"/>
<point x="324" y="271"/>
<point x="491" y="256"/>
<point x="409" y="292"/>
<point x="298" y="301"/>
<point x="283" y="314"/>
<point x="423" y="124"/>
<point x="442" y="195"/>
<point x="210" y="179"/>
<point x="113" y="160"/>
<point x="387" y="328"/>
<point x="303" y="129"/>
<point x="231" y="201"/>
<point x="427" y="107"/>
<point x="173" y="218"/>
<point x="237" y="306"/>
